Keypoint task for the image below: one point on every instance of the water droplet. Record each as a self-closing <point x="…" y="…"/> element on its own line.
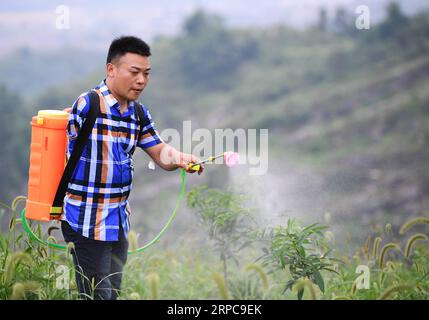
<point x="151" y="165"/>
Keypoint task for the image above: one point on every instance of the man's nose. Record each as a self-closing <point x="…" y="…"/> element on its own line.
<point x="140" y="79"/>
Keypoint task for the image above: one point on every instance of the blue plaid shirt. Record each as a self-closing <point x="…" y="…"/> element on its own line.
<point x="97" y="195"/>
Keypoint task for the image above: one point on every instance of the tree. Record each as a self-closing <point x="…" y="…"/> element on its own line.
<point x="15" y="138"/>
<point x="322" y="24"/>
<point x="200" y="23"/>
<point x="343" y="22"/>
<point x="394" y="22"/>
<point x="209" y="54"/>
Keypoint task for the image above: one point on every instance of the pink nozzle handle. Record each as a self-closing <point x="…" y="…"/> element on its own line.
<point x="230" y="158"/>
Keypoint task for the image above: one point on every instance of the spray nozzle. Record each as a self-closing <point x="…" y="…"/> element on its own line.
<point x="230" y="159"/>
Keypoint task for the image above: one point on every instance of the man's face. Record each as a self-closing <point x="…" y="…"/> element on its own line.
<point x="128" y="76"/>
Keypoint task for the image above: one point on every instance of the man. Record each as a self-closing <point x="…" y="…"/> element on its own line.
<point x="96" y="210"/>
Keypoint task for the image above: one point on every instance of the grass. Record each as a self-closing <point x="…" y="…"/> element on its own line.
<point x="396" y="263"/>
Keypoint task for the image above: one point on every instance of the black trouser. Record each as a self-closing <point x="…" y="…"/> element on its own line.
<point x="98" y="264"/>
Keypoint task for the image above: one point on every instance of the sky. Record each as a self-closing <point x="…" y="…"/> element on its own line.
<point x="93" y="24"/>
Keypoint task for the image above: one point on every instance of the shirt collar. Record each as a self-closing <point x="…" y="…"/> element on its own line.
<point x="109" y="98"/>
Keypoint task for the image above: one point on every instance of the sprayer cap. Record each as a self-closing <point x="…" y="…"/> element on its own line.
<point x="57" y="114"/>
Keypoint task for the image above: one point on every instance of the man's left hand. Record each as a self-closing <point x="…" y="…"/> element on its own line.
<point x="186" y="160"/>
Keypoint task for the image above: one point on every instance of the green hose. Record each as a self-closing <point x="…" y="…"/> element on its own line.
<point x="34" y="237"/>
<point x="154" y="240"/>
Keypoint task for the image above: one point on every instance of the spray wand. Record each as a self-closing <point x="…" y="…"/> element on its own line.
<point x="230" y="159"/>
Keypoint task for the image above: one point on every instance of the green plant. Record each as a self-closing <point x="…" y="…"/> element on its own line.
<point x="251" y="284"/>
<point x="221" y="285"/>
<point x="301" y="284"/>
<point x="412" y="240"/>
<point x="412" y="222"/>
<point x="153" y="280"/>
<point x="28" y="268"/>
<point x="384" y="251"/>
<point x="260" y="272"/>
<point x="391" y="290"/>
<point x="302" y="250"/>
<point x="20" y="289"/>
<point x="375" y="247"/>
<point x="227" y="219"/>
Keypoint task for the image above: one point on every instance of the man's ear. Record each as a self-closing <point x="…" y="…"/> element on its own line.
<point x="110" y="70"/>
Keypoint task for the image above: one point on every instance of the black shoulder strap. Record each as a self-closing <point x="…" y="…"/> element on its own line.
<point x="140" y="115"/>
<point x="81" y="141"/>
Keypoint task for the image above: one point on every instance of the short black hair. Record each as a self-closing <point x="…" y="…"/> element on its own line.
<point x="122" y="45"/>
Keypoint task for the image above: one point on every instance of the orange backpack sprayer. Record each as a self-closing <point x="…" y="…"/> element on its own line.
<point x="47" y="162"/>
<point x="50" y="171"/>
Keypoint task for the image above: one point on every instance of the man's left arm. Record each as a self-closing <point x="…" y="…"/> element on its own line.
<point x="164" y="155"/>
<point x="168" y="158"/>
